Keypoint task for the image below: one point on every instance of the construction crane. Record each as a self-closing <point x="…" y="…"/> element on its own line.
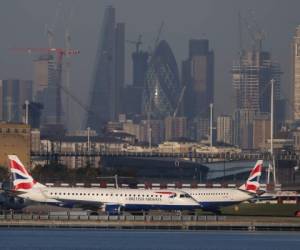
<point x="156" y="41"/>
<point x="158" y="34"/>
<point x="179" y="101"/>
<point x="60" y="53"/>
<point x="255" y="32"/>
<point x="137" y="43"/>
<point x="51" y="28"/>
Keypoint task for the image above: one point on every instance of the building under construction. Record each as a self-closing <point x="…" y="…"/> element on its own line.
<point x="251" y="77"/>
<point x="45" y="77"/>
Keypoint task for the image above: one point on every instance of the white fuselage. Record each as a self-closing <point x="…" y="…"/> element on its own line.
<point x="127" y="198"/>
<point x="210" y="198"/>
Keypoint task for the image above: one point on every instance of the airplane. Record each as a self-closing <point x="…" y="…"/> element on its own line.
<point x="111" y="200"/>
<point x="212" y="199"/>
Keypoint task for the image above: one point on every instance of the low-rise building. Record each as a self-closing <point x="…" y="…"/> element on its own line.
<point x="15" y="139"/>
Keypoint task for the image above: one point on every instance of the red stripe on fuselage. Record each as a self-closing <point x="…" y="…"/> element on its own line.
<point x="164" y="192"/>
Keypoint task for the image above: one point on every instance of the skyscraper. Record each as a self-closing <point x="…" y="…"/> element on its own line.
<point x="14" y="94"/>
<point x="251" y="80"/>
<point x="198" y="77"/>
<point x="296" y="74"/>
<point x="251" y="77"/>
<point x="132" y="94"/>
<point x="45" y="86"/>
<point x="120" y="68"/>
<point x="162" y="85"/>
<point x="140" y="65"/>
<point x="108" y="75"/>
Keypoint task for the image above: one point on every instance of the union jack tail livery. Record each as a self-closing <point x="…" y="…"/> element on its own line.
<point x="22" y="180"/>
<point x="252" y="183"/>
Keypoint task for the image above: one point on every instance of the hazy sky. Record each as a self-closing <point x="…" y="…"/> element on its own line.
<point x="22" y="24"/>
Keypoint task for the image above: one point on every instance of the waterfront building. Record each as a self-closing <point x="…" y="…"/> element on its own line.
<point x="198" y="77"/>
<point x="243" y="127"/>
<point x="155" y="128"/>
<point x="162" y="87"/>
<point x="15" y="139"/>
<point x="198" y="129"/>
<point x="13" y="94"/>
<point x="225" y="129"/>
<point x="35" y="139"/>
<point x="175" y="128"/>
<point x="71" y="144"/>
<point x="108" y="75"/>
<point x="132" y="128"/>
<point x="261" y="132"/>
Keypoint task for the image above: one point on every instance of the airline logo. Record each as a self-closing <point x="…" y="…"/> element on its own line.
<point x="22" y="180"/>
<point x="170" y="194"/>
<point x="252" y="184"/>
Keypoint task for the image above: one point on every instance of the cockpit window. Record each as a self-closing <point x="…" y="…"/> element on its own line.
<point x="185" y="196"/>
<point x="172" y="195"/>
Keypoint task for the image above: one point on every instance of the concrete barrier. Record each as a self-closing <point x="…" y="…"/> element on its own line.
<point x="77" y="216"/>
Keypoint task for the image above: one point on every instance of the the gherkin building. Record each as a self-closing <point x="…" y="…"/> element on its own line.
<point x="162" y="86"/>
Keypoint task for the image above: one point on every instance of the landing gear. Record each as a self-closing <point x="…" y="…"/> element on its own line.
<point x="217" y="212"/>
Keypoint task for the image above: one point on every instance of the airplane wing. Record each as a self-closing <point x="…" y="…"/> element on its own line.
<point x="111" y="208"/>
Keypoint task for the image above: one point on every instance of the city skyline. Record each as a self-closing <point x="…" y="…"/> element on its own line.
<point x="225" y="47"/>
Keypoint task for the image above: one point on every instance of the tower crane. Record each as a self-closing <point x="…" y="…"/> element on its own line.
<point x="255" y="32"/>
<point x="50" y="29"/>
<point x="179" y="101"/>
<point x="137" y="43"/>
<point x="60" y="53"/>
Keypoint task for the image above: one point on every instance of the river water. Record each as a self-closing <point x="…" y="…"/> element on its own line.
<point x="145" y="240"/>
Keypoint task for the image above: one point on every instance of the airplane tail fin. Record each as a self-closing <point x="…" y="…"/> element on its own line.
<point x="252" y="183"/>
<point x="22" y="180"/>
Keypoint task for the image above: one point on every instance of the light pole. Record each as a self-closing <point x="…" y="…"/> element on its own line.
<point x="26" y="111"/>
<point x="272" y="166"/>
<point x="88" y="140"/>
<point x="211" y="106"/>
